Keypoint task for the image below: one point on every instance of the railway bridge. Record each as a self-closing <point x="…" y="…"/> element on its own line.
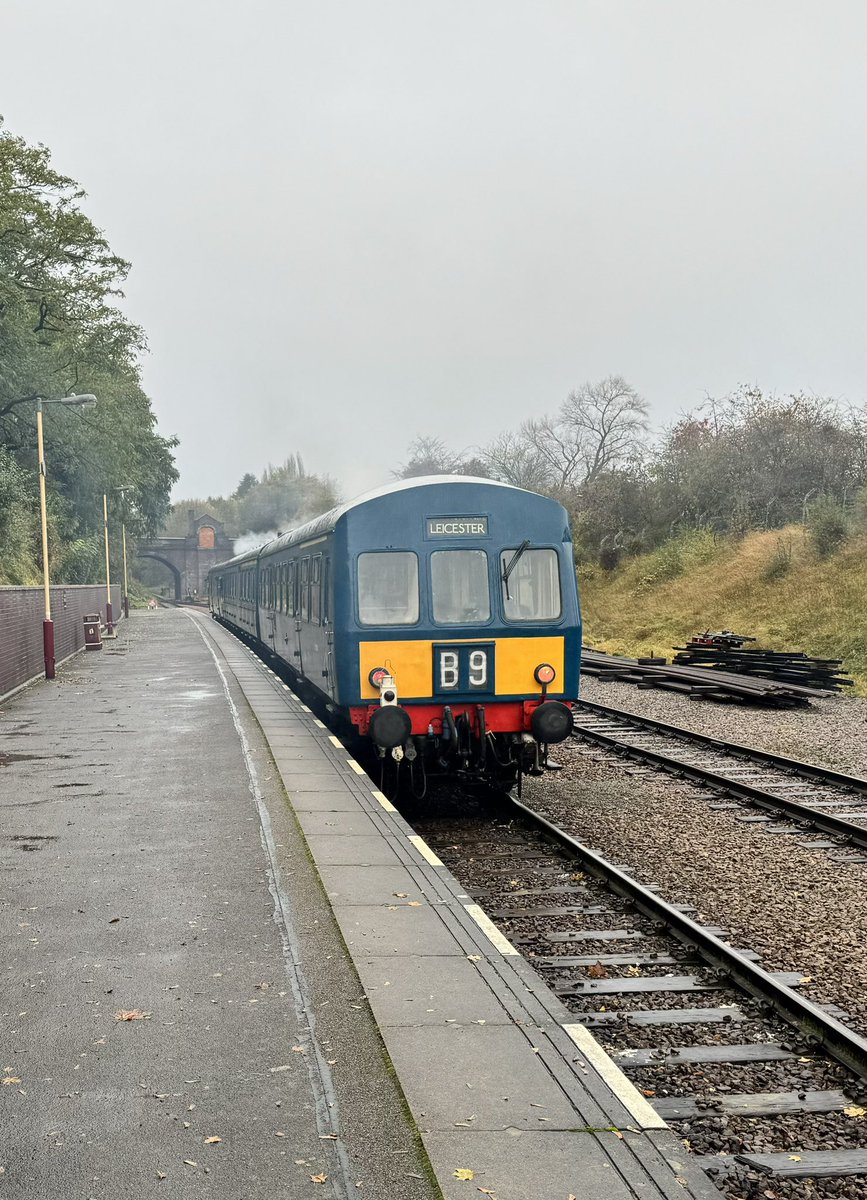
<point x="190" y="558"/>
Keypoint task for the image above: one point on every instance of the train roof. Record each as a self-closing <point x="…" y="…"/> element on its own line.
<point x="325" y="523"/>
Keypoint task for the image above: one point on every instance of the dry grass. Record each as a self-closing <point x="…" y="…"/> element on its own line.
<point x="771" y="585"/>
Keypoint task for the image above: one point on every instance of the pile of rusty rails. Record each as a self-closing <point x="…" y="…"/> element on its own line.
<point x="699" y="683"/>
<point x="783" y="666"/>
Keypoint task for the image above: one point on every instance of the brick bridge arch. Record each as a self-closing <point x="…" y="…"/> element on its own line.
<point x="190" y="558"/>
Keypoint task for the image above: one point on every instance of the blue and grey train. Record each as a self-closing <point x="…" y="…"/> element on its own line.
<point x="437" y="616"/>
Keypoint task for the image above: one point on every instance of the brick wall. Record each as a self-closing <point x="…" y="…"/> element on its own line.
<point x="21" y="613"/>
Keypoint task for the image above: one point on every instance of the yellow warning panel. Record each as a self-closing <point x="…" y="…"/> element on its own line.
<point x="411" y="663"/>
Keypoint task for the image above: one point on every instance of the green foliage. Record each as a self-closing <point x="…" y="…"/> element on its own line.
<point x="684" y="552"/>
<point x="82" y="560"/>
<point x="62" y="332"/>
<point x="284" y="497"/>
<point x="780" y="563"/>
<point x="828" y="525"/>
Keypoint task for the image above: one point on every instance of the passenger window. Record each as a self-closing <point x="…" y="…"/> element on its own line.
<point x="459" y="587"/>
<point x="315" y="588"/>
<point x="291" y="601"/>
<point x="388" y="588"/>
<point x="532" y="591"/>
<point x="305" y="589"/>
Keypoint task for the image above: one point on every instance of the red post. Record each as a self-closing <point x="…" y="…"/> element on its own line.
<point x="48" y="647"/>
<point x="109" y="618"/>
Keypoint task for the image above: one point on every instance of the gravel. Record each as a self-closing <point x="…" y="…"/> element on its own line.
<point x="830" y="732"/>
<point x="796" y="907"/>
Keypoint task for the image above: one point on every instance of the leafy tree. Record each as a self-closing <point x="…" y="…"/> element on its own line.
<point x="61" y="332"/>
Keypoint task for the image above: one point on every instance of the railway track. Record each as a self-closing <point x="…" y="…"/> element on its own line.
<point x="816" y="799"/>
<point x="767" y="1087"/>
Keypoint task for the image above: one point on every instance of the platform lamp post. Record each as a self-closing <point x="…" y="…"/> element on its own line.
<point x="109" y="615"/>
<point x="84" y="401"/>
<point x="123" y="489"/>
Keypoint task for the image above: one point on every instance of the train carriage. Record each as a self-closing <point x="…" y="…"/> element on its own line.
<point x="439" y="616"/>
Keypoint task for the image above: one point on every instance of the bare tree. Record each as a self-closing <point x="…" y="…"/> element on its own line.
<point x="599" y="427"/>
<point x="604" y="425"/>
<point x="513" y="458"/>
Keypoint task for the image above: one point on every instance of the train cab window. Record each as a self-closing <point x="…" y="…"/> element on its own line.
<point x="388" y="588"/>
<point x="532" y="590"/>
<point x="459" y="587"/>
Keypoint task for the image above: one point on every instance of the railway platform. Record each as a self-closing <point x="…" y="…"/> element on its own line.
<point x="232" y="970"/>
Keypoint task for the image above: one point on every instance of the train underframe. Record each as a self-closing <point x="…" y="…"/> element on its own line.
<point x="495" y="743"/>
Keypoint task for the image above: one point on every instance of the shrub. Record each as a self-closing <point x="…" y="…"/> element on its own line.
<point x="827" y="525"/>
<point x="780" y="562"/>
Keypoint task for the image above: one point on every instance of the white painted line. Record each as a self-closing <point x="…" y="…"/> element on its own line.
<point x="286" y="687"/>
<point x="356" y="768"/>
<point x="489" y="929"/>
<point x="304" y="706"/>
<point x="384" y="801"/>
<point x="641" y="1110"/>
<point x="316" y="721"/>
<point x="335" y="741"/>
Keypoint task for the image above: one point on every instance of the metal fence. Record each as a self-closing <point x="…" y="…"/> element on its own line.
<point x="21" y="613"/>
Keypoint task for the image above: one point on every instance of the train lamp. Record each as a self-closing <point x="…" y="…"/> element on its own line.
<point x="84" y="401"/>
<point x="123" y="489"/>
<point x="544" y="675"/>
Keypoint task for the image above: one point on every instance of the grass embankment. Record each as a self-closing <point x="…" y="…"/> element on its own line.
<point x="772" y="585"/>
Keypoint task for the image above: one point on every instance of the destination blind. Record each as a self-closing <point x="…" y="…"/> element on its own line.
<point x="451" y="527"/>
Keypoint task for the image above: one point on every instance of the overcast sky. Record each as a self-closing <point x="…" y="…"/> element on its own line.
<point x="353" y="223"/>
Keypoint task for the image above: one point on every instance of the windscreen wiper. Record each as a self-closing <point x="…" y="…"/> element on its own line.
<point x="513" y="562"/>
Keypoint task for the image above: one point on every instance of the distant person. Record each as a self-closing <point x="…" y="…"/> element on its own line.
<point x="152" y="603"/>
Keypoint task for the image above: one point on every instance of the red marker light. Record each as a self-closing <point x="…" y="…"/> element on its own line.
<point x="544" y="674"/>
<point x="376" y="676"/>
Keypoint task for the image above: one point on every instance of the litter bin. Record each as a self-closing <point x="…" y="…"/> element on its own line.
<point x="92" y="632"/>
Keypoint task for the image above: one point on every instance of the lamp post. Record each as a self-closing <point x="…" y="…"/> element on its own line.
<point x="123" y="489"/>
<point x="109" y="615"/>
<point x="85" y="401"/>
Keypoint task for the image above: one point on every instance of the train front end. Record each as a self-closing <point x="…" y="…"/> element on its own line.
<point x="466" y="629"/>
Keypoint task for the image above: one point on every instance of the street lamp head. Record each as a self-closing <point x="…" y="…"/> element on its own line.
<point x="85" y="400"/>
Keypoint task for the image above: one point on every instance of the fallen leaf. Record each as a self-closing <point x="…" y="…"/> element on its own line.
<point x="131" y="1014"/>
<point x="597" y="971"/>
<point x="854" y="1110"/>
<point x="318" y="1178"/>
<point x="400" y="895"/>
<point x="188" y="1162"/>
<point x="161" y="1174"/>
<point x="11" y="1079"/>
<point x="211" y="1140"/>
<point x="297" y="1049"/>
<point x="414" y="904"/>
<point x="648" y="1092"/>
<point x="633" y="971"/>
<point x="464" y="1173"/>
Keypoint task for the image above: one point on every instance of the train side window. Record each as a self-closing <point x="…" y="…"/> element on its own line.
<point x="459" y="587"/>
<point x="532" y="592"/>
<point x="291" y="606"/>
<point x="305" y="589"/>
<point x="388" y="588"/>
<point x="326" y="585"/>
<point x="316" y="588"/>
